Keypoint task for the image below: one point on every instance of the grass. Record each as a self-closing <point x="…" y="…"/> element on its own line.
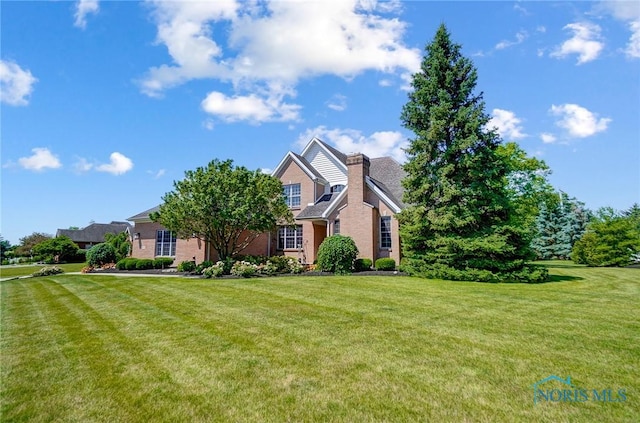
<point x="107" y="348"/>
<point x="14" y="271"/>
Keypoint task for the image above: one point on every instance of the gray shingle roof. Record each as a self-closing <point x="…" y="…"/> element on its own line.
<point x="388" y="174"/>
<point x="145" y="214"/>
<point x="316" y="210"/>
<point x="95" y="232"/>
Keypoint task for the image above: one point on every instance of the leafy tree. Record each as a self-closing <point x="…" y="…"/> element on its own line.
<point x="611" y="239"/>
<point x="527" y="184"/>
<point x="101" y="254"/>
<point x="56" y="249"/>
<point x="461" y="223"/>
<point x="5" y="246"/>
<point x="28" y="242"/>
<point x="120" y="243"/>
<point x="225" y="206"/>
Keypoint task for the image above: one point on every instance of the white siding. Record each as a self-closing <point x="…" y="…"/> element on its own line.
<point x="326" y="165"/>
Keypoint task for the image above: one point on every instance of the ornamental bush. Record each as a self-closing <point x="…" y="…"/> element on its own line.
<point x="385" y="263"/>
<point x="162" y="262"/>
<point x="214" y="271"/>
<point x="101" y="254"/>
<point x="244" y="269"/>
<point x="187" y="266"/>
<point x="362" y="264"/>
<point x="144" y="264"/>
<point x="204" y="265"/>
<point x="337" y="254"/>
<point x="46" y="271"/>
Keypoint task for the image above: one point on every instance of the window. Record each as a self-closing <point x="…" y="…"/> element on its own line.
<point x="385" y="232"/>
<point x="337" y="188"/>
<point x="292" y="195"/>
<point x="336" y="227"/>
<point x="289" y="237"/>
<point x="165" y="243"/>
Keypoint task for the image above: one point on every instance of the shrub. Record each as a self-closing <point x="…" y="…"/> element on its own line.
<point x="131" y="264"/>
<point x="244" y="269"/>
<point x="162" y="262"/>
<point x="144" y="264"/>
<point x="269" y="268"/>
<point x="281" y="263"/>
<point x="205" y="264"/>
<point x="362" y="264"/>
<point x="101" y="254"/>
<point x="46" y="271"/>
<point x="214" y="271"/>
<point x="295" y="266"/>
<point x="385" y="263"/>
<point x="187" y="266"/>
<point x="337" y="254"/>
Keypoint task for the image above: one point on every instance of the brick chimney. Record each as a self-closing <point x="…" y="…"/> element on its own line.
<point x="357" y="168"/>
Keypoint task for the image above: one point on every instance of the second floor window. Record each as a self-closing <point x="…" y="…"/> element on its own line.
<point x="336" y="227"/>
<point x="292" y="195"/>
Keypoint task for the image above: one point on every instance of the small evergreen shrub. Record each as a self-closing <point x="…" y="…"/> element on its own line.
<point x="337" y="254"/>
<point x="385" y="264"/>
<point x="101" y="254"/>
<point x="362" y="264"/>
<point x="131" y="264"/>
<point x="162" y="262"/>
<point x="144" y="264"/>
<point x="214" y="271"/>
<point x="47" y="271"/>
<point x="187" y="266"/>
<point x="244" y="269"/>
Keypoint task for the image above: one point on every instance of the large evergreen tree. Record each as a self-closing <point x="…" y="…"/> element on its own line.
<point x="460" y="223"/>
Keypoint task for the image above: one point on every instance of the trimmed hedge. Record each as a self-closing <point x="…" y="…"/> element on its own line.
<point x="337" y="254"/>
<point x="162" y="262"/>
<point x="385" y="263"/>
<point x="144" y="264"/>
<point x="362" y="264"/>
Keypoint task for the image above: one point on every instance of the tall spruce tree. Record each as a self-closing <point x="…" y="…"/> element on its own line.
<point x="460" y="223"/>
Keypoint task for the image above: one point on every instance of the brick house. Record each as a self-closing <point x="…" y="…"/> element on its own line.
<point x="94" y="233"/>
<point x="328" y="192"/>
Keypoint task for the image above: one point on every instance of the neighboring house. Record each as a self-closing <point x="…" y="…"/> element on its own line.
<point x="328" y="192"/>
<point x="94" y="233"/>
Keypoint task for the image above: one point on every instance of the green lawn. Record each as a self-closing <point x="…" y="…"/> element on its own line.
<point x="355" y="349"/>
<point x="12" y="271"/>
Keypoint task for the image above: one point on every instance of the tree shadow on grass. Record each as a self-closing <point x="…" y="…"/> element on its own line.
<point x="562" y="278"/>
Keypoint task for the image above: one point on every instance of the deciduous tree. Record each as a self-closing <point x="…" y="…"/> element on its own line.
<point x="225" y="206"/>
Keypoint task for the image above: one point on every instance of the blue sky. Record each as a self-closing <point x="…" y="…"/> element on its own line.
<point x="105" y="104"/>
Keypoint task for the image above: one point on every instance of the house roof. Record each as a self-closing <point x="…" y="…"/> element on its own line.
<point x="95" y="232"/>
<point x="144" y="215"/>
<point x="317" y="210"/>
<point x="387" y="174"/>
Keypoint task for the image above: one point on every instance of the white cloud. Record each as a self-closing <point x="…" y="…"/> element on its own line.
<point x="578" y="121"/>
<point x="520" y="37"/>
<point x="585" y="42"/>
<point x="378" y="144"/>
<point x="157" y="174"/>
<point x="84" y="8"/>
<point x="251" y="108"/>
<point x="82" y="165"/>
<point x="272" y="45"/>
<point x="41" y="159"/>
<point x="118" y="165"/>
<point x="547" y="138"/>
<point x="633" y="47"/>
<point x="16" y="84"/>
<point x="629" y="12"/>
<point x="338" y="103"/>
<point x="507" y="124"/>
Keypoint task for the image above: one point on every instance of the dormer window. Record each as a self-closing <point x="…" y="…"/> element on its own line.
<point x="337" y="188"/>
<point x="291" y="195"/>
